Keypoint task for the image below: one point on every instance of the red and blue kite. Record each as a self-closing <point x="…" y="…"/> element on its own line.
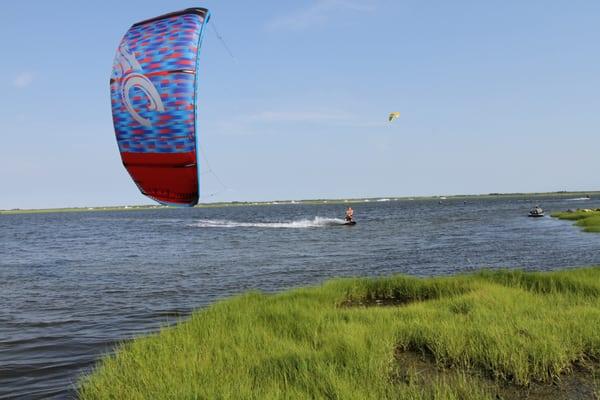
<point x="154" y="97"/>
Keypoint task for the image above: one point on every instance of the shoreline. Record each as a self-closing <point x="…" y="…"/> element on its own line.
<point x="587" y="219"/>
<point x="459" y="197"/>
<point x="484" y="335"/>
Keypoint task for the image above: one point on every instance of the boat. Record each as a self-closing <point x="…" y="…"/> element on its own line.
<point x="536" y="212"/>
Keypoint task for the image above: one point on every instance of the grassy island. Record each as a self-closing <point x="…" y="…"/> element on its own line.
<point x="588" y="219"/>
<point x="500" y="334"/>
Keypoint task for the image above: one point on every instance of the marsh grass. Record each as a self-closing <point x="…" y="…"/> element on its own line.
<point x="463" y="337"/>
<point x="588" y="220"/>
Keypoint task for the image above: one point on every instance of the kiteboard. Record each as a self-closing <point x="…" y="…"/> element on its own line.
<point x="350" y="223"/>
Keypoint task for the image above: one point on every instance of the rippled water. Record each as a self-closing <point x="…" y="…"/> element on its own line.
<point x="73" y="284"/>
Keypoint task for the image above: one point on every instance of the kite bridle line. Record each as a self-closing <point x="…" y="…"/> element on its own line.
<point x="214" y="28"/>
<point x="209" y="170"/>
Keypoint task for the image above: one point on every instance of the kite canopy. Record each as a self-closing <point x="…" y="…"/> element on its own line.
<point x="393" y="116"/>
<point x="153" y="95"/>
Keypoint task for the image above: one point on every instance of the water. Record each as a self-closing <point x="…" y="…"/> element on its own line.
<point x="74" y="284"/>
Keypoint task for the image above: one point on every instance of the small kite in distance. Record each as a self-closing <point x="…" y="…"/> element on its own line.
<point x="393" y="116"/>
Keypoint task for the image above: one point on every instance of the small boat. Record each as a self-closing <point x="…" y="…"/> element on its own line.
<point x="536" y="212"/>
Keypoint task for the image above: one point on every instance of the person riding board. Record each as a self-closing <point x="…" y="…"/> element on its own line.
<point x="349" y="214"/>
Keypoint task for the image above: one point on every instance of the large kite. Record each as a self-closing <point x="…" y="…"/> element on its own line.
<point x="153" y="95"/>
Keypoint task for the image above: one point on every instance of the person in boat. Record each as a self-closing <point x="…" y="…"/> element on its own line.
<point x="537" y="210"/>
<point x="349" y="214"/>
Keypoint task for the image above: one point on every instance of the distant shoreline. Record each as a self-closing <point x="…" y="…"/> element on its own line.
<point x="462" y="197"/>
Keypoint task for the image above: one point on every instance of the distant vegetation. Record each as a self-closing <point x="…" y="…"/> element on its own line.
<point x="589" y="220"/>
<point x="449" y="198"/>
<point x="79" y="209"/>
<point x="490" y="335"/>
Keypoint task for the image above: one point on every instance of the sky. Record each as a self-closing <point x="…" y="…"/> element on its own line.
<point x="494" y="97"/>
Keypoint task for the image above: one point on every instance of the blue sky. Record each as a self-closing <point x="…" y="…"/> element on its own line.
<point x="494" y="96"/>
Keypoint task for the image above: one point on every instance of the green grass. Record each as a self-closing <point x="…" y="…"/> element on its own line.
<point x="493" y="333"/>
<point x="589" y="220"/>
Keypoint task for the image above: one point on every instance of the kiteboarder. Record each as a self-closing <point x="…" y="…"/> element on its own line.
<point x="349" y="214"/>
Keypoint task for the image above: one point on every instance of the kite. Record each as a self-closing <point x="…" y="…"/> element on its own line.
<point x="153" y="88"/>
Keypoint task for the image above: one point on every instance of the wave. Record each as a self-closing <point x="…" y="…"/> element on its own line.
<point x="317" y="222"/>
<point x="579" y="199"/>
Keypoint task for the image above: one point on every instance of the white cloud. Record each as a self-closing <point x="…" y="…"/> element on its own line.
<point x="318" y="12"/>
<point x="281" y="121"/>
<point x="297" y="116"/>
<point x="23" y="79"/>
